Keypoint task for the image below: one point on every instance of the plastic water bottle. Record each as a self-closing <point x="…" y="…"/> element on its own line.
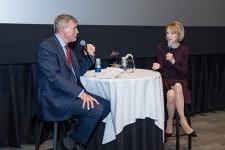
<point x="98" y="65"/>
<point x="124" y="63"/>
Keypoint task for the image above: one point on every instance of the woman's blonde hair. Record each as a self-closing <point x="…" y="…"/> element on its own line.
<point x="177" y="27"/>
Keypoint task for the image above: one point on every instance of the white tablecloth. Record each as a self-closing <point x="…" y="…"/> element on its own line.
<point x="133" y="96"/>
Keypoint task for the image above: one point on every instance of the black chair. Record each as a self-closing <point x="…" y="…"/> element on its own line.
<point x="40" y="131"/>
<point x="187" y="111"/>
<point x="61" y="126"/>
<point x="187" y="108"/>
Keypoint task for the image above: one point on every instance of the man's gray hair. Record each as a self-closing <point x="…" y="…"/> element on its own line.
<point x="62" y="21"/>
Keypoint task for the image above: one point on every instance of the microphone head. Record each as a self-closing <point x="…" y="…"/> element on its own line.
<point x="169" y="45"/>
<point x="82" y="43"/>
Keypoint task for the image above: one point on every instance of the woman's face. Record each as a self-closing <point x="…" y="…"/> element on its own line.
<point x="171" y="36"/>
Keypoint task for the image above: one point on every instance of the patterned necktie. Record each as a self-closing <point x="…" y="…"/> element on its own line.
<point x="68" y="54"/>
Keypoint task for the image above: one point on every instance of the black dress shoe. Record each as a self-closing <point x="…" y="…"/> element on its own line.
<point x="78" y="147"/>
<point x="192" y="134"/>
<point x="63" y="147"/>
<point x="168" y="134"/>
<point x="68" y="144"/>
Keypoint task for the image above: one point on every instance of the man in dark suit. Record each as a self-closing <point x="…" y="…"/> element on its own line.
<point x="59" y="94"/>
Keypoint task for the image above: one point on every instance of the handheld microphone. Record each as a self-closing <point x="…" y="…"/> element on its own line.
<point x="169" y="47"/>
<point x="83" y="44"/>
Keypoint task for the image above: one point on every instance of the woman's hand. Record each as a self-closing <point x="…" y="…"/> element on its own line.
<point x="169" y="57"/>
<point x="155" y="66"/>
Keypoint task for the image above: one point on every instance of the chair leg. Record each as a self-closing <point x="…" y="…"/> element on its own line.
<point x="189" y="137"/>
<point x="38" y="135"/>
<point x="188" y="114"/>
<point x="55" y="136"/>
<point x="177" y="131"/>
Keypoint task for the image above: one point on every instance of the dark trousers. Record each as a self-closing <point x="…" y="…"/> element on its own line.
<point x="88" y="119"/>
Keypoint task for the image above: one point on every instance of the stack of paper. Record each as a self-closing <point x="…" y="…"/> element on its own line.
<point x="109" y="73"/>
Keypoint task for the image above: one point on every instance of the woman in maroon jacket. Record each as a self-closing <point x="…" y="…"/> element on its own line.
<point x="173" y="62"/>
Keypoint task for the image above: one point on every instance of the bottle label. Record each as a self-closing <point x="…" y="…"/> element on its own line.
<point x="97" y="69"/>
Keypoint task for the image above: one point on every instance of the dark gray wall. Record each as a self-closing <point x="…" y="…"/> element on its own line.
<point x="129" y="26"/>
<point x="19" y="42"/>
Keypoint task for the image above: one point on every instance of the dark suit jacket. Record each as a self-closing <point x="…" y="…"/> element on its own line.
<point x="57" y="85"/>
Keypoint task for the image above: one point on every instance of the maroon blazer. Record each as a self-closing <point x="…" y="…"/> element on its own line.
<point x="177" y="72"/>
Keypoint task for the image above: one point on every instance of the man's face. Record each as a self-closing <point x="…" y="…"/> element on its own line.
<point x="70" y="32"/>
